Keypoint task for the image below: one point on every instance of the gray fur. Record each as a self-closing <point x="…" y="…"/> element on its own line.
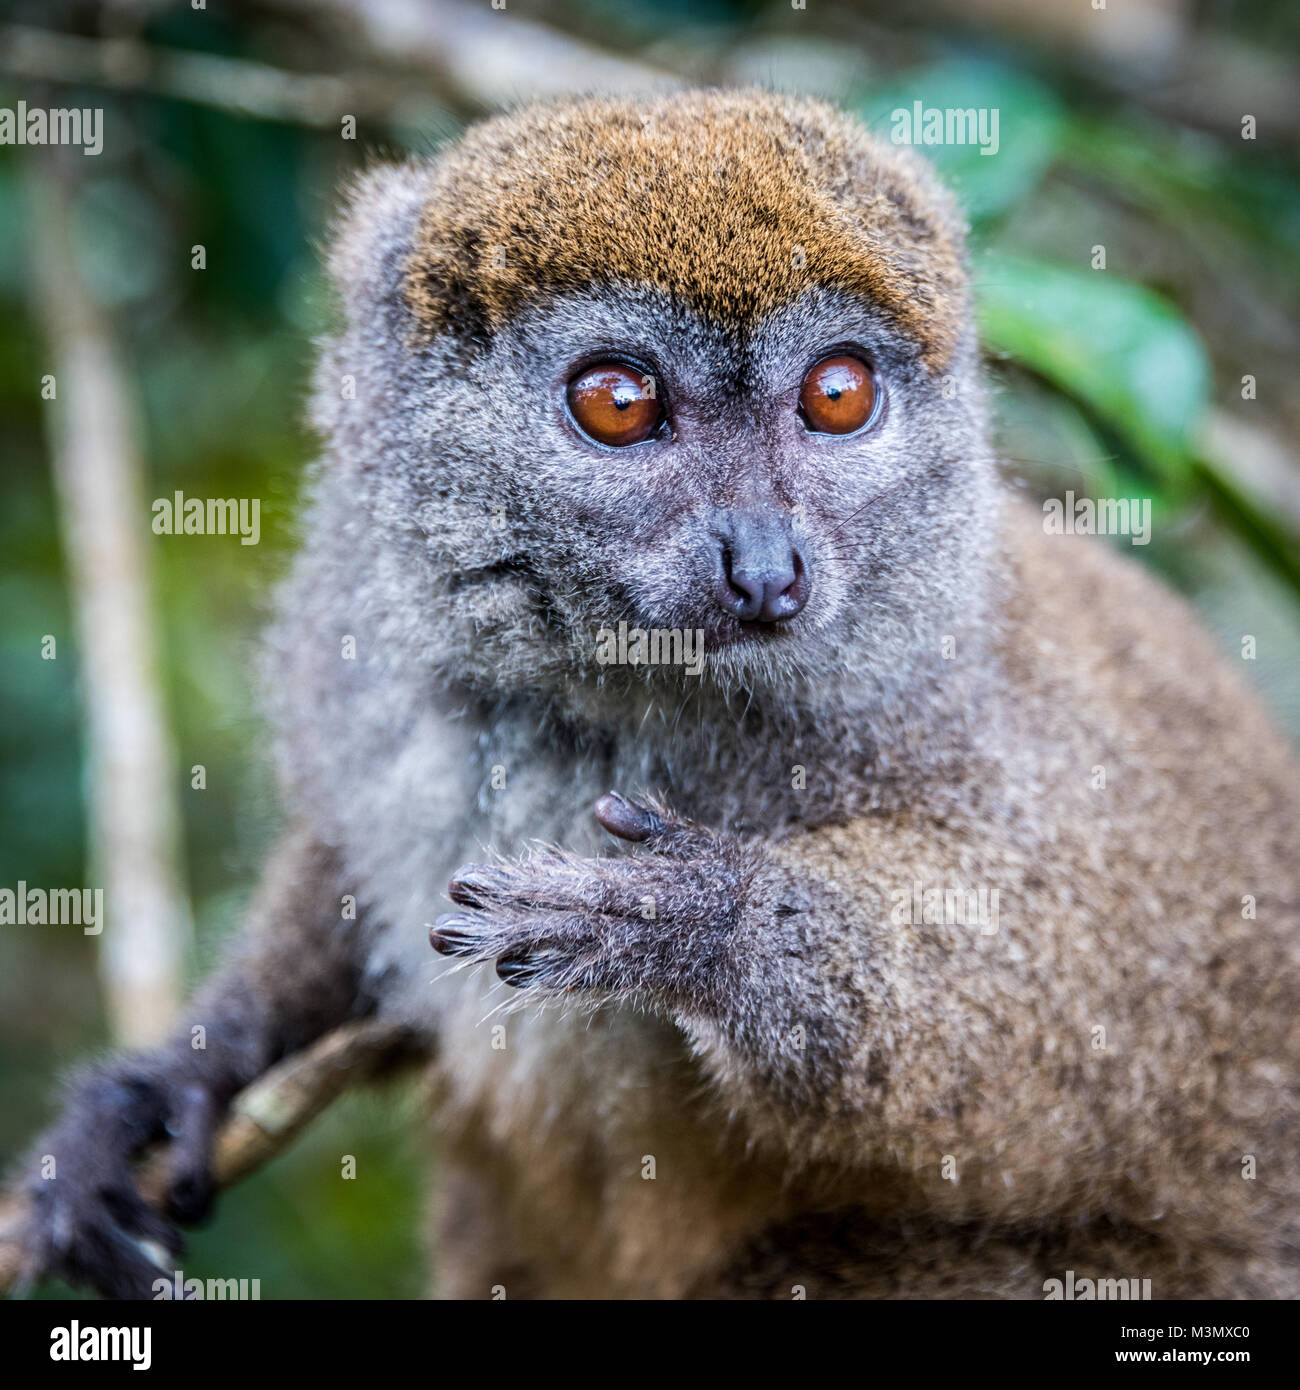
<point x="798" y="1064"/>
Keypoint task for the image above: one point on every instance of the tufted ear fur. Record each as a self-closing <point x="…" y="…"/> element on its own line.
<point x="372" y="239"/>
<point x="364" y="364"/>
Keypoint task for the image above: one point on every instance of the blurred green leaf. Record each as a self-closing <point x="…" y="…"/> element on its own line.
<point x="1030" y="127"/>
<point x="1194" y="183"/>
<point x="1120" y="350"/>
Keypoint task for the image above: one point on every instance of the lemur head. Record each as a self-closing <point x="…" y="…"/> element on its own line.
<point x="703" y="362"/>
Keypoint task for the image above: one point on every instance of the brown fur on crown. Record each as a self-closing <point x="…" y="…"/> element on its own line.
<point x="708" y="196"/>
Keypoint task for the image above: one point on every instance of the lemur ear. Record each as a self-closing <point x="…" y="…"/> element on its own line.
<point x="373" y="238"/>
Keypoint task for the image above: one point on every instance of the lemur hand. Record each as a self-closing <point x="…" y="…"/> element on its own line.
<point x="663" y="923"/>
<point x="88" y="1222"/>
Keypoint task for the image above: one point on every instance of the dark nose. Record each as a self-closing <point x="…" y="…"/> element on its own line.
<point x="762" y="578"/>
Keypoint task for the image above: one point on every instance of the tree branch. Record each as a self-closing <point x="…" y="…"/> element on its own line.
<point x="132" y="810"/>
<point x="490" y="58"/>
<point x="235" y="85"/>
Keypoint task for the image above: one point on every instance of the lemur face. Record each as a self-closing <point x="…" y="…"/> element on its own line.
<point x="715" y="358"/>
<point x="759" y="575"/>
<point x="765" y="486"/>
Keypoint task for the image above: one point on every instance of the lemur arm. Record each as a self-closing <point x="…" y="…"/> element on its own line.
<point x="780" y="962"/>
<point x="856" y="1038"/>
<point x="849" y="1038"/>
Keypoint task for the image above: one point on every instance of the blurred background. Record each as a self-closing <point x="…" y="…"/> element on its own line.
<point x="1165" y="131"/>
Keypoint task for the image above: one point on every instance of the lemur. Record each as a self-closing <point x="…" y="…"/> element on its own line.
<point x="706" y="363"/>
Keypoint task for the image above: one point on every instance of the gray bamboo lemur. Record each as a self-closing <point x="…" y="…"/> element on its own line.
<point x="708" y="363"/>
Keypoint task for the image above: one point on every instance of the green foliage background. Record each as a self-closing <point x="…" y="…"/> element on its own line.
<point x="1107" y="382"/>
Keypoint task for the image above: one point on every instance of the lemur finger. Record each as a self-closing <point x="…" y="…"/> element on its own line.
<point x="190" y="1189"/>
<point x="119" y="1265"/>
<point x="545" y="880"/>
<point x="456" y="936"/>
<point x="550" y="882"/>
<point x="597" y="888"/>
<point x="117" y="1247"/>
<point x="142" y="1223"/>
<point x="512" y="933"/>
<point x="557" y="972"/>
<point x="652" y="824"/>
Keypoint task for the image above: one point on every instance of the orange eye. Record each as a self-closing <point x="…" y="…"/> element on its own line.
<point x="838" y="395"/>
<point x="615" y="404"/>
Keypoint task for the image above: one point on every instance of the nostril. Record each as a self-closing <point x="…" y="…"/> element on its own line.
<point x="786" y="595"/>
<point x="743" y="595"/>
<point x="759" y="575"/>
